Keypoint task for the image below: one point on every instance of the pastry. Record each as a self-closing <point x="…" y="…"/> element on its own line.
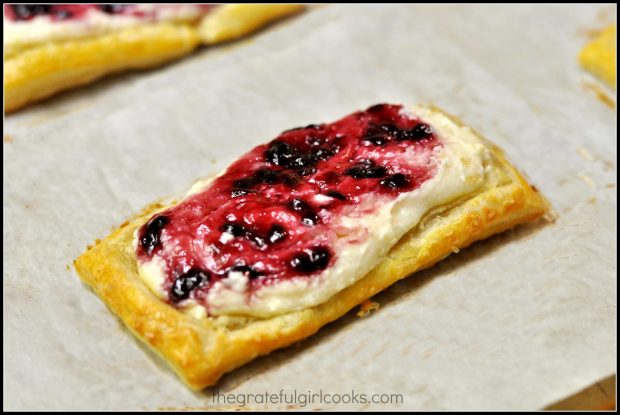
<point x="50" y="48"/>
<point x="599" y="56"/>
<point x="299" y="231"/>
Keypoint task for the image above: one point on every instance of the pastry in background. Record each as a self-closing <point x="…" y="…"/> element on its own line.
<point x="49" y="48"/>
<point x="599" y="56"/>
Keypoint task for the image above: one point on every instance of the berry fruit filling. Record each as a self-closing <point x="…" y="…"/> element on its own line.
<point x="277" y="213"/>
<point x="60" y="12"/>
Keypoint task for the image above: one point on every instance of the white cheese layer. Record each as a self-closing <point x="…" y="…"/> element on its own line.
<point x="363" y="240"/>
<point x="22" y="35"/>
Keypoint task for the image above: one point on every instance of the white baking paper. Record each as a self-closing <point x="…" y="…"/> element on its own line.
<point x="515" y="322"/>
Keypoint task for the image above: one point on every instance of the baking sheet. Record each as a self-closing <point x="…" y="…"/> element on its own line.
<point x="516" y="322"/>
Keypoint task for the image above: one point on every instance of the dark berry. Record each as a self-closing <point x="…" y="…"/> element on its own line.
<point x="336" y="195"/>
<point x="376" y="108"/>
<point x="376" y="135"/>
<point x="27" y="11"/>
<point x="303" y="160"/>
<point x="281" y="154"/>
<point x="395" y="181"/>
<point x="366" y="169"/>
<point x="311" y="260"/>
<point x="308" y="215"/>
<point x="234" y="229"/>
<point x="277" y="233"/>
<point x="388" y="128"/>
<point x="151" y="237"/>
<point x="284" y="155"/>
<point x="112" y="8"/>
<point x="419" y="132"/>
<point x="186" y="283"/>
<point x="266" y="176"/>
<point x="323" y="153"/>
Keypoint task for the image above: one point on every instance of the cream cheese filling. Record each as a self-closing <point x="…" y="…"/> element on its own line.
<point x="23" y="35"/>
<point x="363" y="240"/>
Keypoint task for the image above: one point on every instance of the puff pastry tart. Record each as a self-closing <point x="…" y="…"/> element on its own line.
<point x="54" y="47"/>
<point x="300" y="230"/>
<point x="599" y="56"/>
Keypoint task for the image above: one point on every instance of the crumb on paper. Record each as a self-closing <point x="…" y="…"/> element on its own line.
<point x="610" y="185"/>
<point x="8" y="139"/>
<point x="592" y="201"/>
<point x="367" y="307"/>
<point x="587" y="180"/>
<point x="600" y="93"/>
<point x="585" y="154"/>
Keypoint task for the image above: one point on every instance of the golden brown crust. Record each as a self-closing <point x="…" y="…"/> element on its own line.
<point x="599" y="56"/>
<point x="44" y="70"/>
<point x="233" y="21"/>
<point x="200" y="351"/>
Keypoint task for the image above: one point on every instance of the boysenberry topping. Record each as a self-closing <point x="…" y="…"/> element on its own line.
<point x="311" y="260"/>
<point x="151" y="237"/>
<point x="366" y="170"/>
<point x="186" y="283"/>
<point x="289" y="197"/>
<point x="277" y="233"/>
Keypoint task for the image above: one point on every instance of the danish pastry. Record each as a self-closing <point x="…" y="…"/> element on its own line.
<point x="599" y="56"/>
<point x="299" y="231"/>
<point x="50" y="48"/>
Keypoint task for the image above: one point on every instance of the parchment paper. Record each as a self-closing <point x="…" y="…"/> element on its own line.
<point x="516" y="322"/>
